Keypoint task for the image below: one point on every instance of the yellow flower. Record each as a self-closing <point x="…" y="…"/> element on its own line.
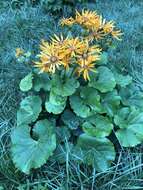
<point x="19" y="52"/>
<point x="97" y="35"/>
<point x="50" y="59"/>
<point x="108" y="27"/>
<point x="117" y="34"/>
<point x="96" y="31"/>
<point x="91" y="58"/>
<point x="59" y="41"/>
<point x="45" y="46"/>
<point x="42" y="66"/>
<point x="86" y="18"/>
<point x="74" y="46"/>
<point x="97" y="24"/>
<point x="66" y="62"/>
<point x="67" y="21"/>
<point x="84" y="68"/>
<point x="90" y="53"/>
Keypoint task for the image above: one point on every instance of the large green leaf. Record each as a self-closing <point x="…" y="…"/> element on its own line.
<point x="111" y="102"/>
<point x="28" y="153"/>
<point x="132" y="96"/>
<point x="104" y="81"/>
<point x="55" y="104"/>
<point x="41" y="81"/>
<point x="86" y="102"/>
<point x="55" y="109"/>
<point x="70" y="119"/>
<point x="29" y="110"/>
<point x="64" y="87"/>
<point x="56" y="99"/>
<point x="129" y="138"/>
<point x="26" y="83"/>
<point x="121" y="117"/>
<point x="130" y="122"/>
<point x="92" y="98"/>
<point x="122" y="80"/>
<point x="98" y="152"/>
<point x="98" y="126"/>
<point x="79" y="106"/>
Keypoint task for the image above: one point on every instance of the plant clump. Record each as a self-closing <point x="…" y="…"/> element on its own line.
<point x="73" y="96"/>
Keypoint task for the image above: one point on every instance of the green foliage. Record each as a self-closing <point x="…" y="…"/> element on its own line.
<point x="85" y="114"/>
<point x="29" y="153"/>
<point x="111" y="102"/>
<point x="26" y="83"/>
<point x="29" y="110"/>
<point x="103" y="59"/>
<point x="86" y="103"/>
<point x="66" y="87"/>
<point x="105" y="80"/>
<point x="132" y="96"/>
<point x="70" y="119"/>
<point x="57" y="107"/>
<point x="121" y="80"/>
<point x="130" y="122"/>
<point x="41" y="81"/>
<point x="96" y="151"/>
<point x="98" y="126"/>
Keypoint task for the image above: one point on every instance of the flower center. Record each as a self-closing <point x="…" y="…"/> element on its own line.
<point x="85" y="19"/>
<point x="72" y="48"/>
<point x="61" y="42"/>
<point x="85" y="55"/>
<point x="53" y="59"/>
<point x="85" y="67"/>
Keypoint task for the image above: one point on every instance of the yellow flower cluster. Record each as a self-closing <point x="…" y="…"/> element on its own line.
<point x="19" y="52"/>
<point x="68" y="52"/>
<point x="97" y="27"/>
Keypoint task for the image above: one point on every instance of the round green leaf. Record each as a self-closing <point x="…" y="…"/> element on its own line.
<point x="129" y="138"/>
<point x="41" y="81"/>
<point x="79" y="106"/>
<point x="86" y="102"/>
<point x="132" y="96"/>
<point x="70" y="119"/>
<point x="64" y="87"/>
<point x="56" y="99"/>
<point x="105" y="81"/>
<point x="130" y="121"/>
<point x="91" y="98"/>
<point x="98" y="126"/>
<point x="111" y="102"/>
<point x="121" y="119"/>
<point x="28" y="153"/>
<point x="26" y="83"/>
<point x="29" y="110"/>
<point x="55" y="104"/>
<point x="55" y="109"/>
<point x="98" y="152"/>
<point x="122" y="80"/>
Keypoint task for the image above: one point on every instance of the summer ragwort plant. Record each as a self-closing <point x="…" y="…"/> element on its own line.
<point x="72" y="96"/>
